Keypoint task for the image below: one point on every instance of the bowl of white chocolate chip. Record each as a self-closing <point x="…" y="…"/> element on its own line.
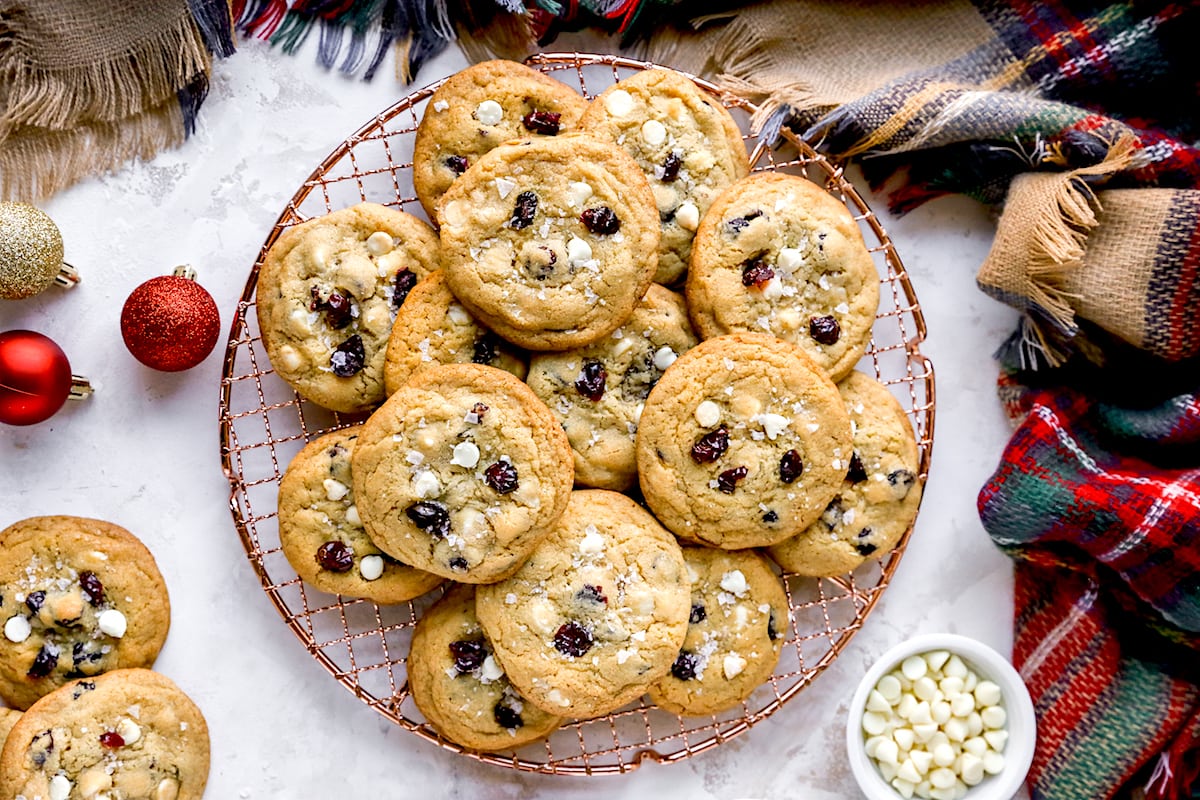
<point x="941" y="717"/>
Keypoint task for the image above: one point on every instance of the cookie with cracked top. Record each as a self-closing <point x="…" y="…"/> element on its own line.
<point x="130" y="733"/>
<point x="78" y="597"/>
<point x="460" y="687"/>
<point x="880" y="493"/>
<point x="479" y="108"/>
<point x="328" y="293"/>
<point x="736" y="627"/>
<point x="778" y="254"/>
<point x="322" y="535"/>
<point x="598" y="612"/>
<point x="684" y="140"/>
<point x="598" y="391"/>
<point x="461" y="472"/>
<point x="743" y="442"/>
<point x="550" y="242"/>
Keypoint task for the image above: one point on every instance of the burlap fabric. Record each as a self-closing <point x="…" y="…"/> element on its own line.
<point x="86" y="87"/>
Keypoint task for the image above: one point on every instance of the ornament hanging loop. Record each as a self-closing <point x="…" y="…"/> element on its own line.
<point x="185" y="271"/>
<point x="81" y="388"/>
<point x="67" y="277"/>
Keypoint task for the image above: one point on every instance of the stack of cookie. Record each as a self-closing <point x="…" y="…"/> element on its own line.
<point x="85" y="613"/>
<point x="599" y="465"/>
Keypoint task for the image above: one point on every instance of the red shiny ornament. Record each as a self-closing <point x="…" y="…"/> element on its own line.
<point x="35" y="378"/>
<point x="170" y="323"/>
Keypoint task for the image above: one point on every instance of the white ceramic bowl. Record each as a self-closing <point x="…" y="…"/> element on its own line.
<point x="988" y="664"/>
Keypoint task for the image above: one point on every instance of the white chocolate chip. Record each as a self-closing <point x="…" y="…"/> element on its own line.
<point x="688" y="215"/>
<point x="993" y="763"/>
<point x="889" y="687"/>
<point x="914" y="667"/>
<point x="426" y="484"/>
<point x="466" y="454"/>
<point x="993" y="717"/>
<point x="707" y="414"/>
<point x="370" y="567"/>
<point x="955" y="668"/>
<point x="789" y="259"/>
<point x="874" y="723"/>
<point x="924" y="687"/>
<point x="17" y="629"/>
<point x="734" y="582"/>
<point x="558" y="698"/>
<point x="60" y="787"/>
<point x="653" y="132"/>
<point x="490" y="671"/>
<point x="936" y="659"/>
<point x="335" y="490"/>
<point x="618" y="103"/>
<point x="996" y="739"/>
<point x="578" y="250"/>
<point x="987" y="693"/>
<point x="380" y="242"/>
<point x="962" y="705"/>
<point x="773" y="425"/>
<point x="877" y="702"/>
<point x="505" y="187"/>
<point x="440" y="105"/>
<point x="128" y="730"/>
<point x="887" y="752"/>
<point x="592" y="542"/>
<point x="664" y="357"/>
<point x="489" y="112"/>
<point x="733" y="664"/>
<point x="904" y="738"/>
<point x="458" y="315"/>
<point x="454" y="213"/>
<point x="908" y="770"/>
<point x="93" y="781"/>
<point x="111" y="622"/>
<point x="577" y="193"/>
<point x="352" y="516"/>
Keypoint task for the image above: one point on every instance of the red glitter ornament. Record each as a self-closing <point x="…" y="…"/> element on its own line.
<point x="170" y="323"/>
<point x="35" y="378"/>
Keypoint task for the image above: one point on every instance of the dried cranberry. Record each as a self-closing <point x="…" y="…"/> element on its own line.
<point x="592" y="594"/>
<point x="857" y="472"/>
<point x="93" y="589"/>
<point x="824" y="330"/>
<point x="773" y="633"/>
<point x="543" y="122"/>
<point x="81" y="655"/>
<point x="335" y="556"/>
<point x="770" y="517"/>
<point x="865" y="548"/>
<point x="457" y="164"/>
<point x="34" y="600"/>
<point x="524" y="210"/>
<point x="600" y="220"/>
<point x="590" y="382"/>
<point x="112" y="740"/>
<point x="459" y="563"/>
<point x="901" y="479"/>
<point x="430" y="517"/>
<point x="349" y="357"/>
<point x="739" y="224"/>
<point x="685" y="666"/>
<point x="699" y="614"/>
<point x="670" y="167"/>
<point x="468" y="655"/>
<point x="790" y="466"/>
<point x="406" y="279"/>
<point x="485" y="349"/>
<point x="507" y="717"/>
<point x="572" y="639"/>
<point x="501" y="476"/>
<point x="728" y="480"/>
<point x="45" y="662"/>
<point x="338" y="311"/>
<point x="756" y="273"/>
<point x="711" y="446"/>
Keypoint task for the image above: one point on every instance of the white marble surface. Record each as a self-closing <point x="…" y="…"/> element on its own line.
<point x="143" y="452"/>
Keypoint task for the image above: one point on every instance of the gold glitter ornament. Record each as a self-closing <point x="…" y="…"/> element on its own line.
<point x="31" y="252"/>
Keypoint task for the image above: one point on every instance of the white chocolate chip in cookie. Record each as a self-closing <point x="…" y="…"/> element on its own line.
<point x="380" y="242"/>
<point x="457" y="314"/>
<point x="335" y="490"/>
<point x="167" y="789"/>
<point x="112" y="622"/>
<point x="371" y="568"/>
<point x="578" y="251"/>
<point x="707" y="414"/>
<point x="618" y="103"/>
<point x="454" y="213"/>
<point x="93" y="781"/>
<point x="466" y="454"/>
<point x="688" y="215"/>
<point x="60" y="787"/>
<point x="128" y="730"/>
<point x="489" y="112"/>
<point x="577" y="193"/>
<point x="17" y="629"/>
<point x="664" y="357"/>
<point x="653" y="132"/>
<point x="733" y="664"/>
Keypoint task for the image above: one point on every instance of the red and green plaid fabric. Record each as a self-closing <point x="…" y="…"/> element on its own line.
<point x="1099" y="505"/>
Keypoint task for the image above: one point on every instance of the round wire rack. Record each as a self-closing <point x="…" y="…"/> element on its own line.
<point x="263" y="424"/>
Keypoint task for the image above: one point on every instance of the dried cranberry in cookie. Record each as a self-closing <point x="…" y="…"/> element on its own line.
<point x="461" y="472"/>
<point x="77" y="597"/>
<point x="321" y="532"/>
<point x="598" y="391"/>
<point x="879" y="495"/>
<point x="327" y="296"/>
<point x="686" y="143"/>
<point x="735" y="632"/>
<point x="780" y="255"/>
<point x="550" y="242"/>
<point x="598" y="612"/>
<point x="743" y="442"/>
<point x="479" y="108"/>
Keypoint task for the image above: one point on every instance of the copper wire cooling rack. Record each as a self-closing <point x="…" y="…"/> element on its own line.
<point x="263" y="423"/>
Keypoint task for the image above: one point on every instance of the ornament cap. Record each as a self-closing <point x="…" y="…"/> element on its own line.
<point x="67" y="277"/>
<point x="185" y="271"/>
<point x="81" y="388"/>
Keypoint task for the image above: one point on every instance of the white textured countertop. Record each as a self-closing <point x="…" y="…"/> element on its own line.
<point x="143" y="452"/>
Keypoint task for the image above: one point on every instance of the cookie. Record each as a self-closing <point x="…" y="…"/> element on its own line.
<point x="879" y="496"/>
<point x="686" y="143"/>
<point x="778" y="254"/>
<point x="433" y="328"/>
<point x="550" y="242"/>
<point x="78" y="597"/>
<point x="743" y="442"/>
<point x="598" y="612"/>
<point x="736" y="626"/>
<point x="328" y="293"/>
<point x="483" y="106"/>
<point x="459" y="686"/>
<point x="461" y="472"/>
<point x="322" y="535"/>
<point x="8" y="718"/>
<point x="597" y="392"/>
<point x="130" y="733"/>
